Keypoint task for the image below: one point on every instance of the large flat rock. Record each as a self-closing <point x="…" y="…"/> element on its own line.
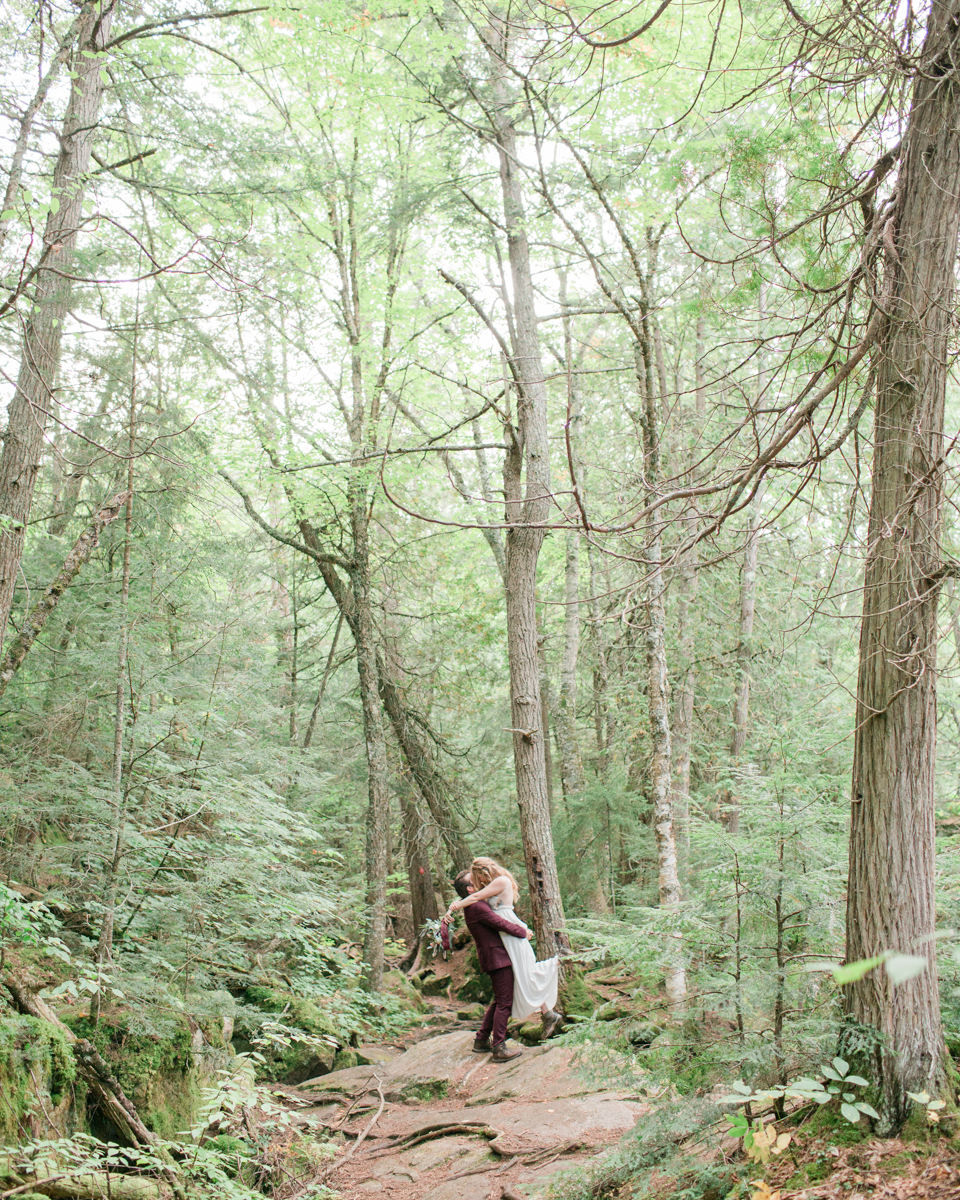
<point x="445" y="1066"/>
<point x="427" y="1070"/>
<point x="541" y="1073"/>
<point x="525" y="1126"/>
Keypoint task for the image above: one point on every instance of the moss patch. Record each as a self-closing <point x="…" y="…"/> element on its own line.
<point x="37" y="1071"/>
<point x="575" y="997"/>
<point x="155" y="1070"/>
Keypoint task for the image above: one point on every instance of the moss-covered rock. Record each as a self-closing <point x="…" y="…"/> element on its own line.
<point x="288" y="1059"/>
<point x="399" y="985"/>
<point x="576" y="999"/>
<point x="163" y="1073"/>
<point x="477" y="988"/>
<point x="37" y="1070"/>
<point x="436" y="985"/>
<point x="345" y="1059"/>
<point x="614" y="1010"/>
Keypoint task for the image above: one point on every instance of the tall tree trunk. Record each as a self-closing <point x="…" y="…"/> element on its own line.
<point x="378" y="809"/>
<point x="571" y="763"/>
<point x="741" y="695"/>
<point x="33" y="399"/>
<point x="682" y="733"/>
<point x="748" y="599"/>
<point x="527" y="510"/>
<point x="119" y="790"/>
<point x="657" y="682"/>
<point x="604" y="715"/>
<point x="890" y="903"/>
<point x="687" y="588"/>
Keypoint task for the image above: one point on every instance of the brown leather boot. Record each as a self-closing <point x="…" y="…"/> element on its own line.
<point x="481" y="1045"/>
<point x="550" y="1023"/>
<point x="500" y="1053"/>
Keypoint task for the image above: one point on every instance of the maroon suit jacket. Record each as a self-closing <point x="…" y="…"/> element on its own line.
<point x="485" y="926"/>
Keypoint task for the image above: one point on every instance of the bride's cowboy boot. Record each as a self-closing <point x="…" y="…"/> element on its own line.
<point x="550" y="1023"/>
<point x="500" y="1053"/>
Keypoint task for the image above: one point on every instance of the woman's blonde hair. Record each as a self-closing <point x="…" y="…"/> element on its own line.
<point x="484" y="870"/>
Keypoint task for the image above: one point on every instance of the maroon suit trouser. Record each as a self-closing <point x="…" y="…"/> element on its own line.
<point x="494" y="1024"/>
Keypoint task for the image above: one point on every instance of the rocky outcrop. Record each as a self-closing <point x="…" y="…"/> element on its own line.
<point x="453" y="1123"/>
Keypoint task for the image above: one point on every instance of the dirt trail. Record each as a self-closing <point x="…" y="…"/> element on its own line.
<point x="430" y="1120"/>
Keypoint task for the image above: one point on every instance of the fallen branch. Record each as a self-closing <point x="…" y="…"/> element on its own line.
<point x="356" y="1145"/>
<point x="92" y="1185"/>
<point x="33" y="624"/>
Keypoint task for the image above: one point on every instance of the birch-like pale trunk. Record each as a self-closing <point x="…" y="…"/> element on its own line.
<point x="688" y="582"/>
<point x="658" y="694"/>
<point x="104" y="951"/>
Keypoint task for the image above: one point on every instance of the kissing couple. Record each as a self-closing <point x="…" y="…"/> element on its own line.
<point x="521" y="985"/>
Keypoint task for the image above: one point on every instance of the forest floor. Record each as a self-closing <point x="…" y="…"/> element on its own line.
<point x="429" y="1120"/>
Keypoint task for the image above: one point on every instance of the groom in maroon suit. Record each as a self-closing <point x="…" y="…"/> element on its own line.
<point x="485" y="926"/>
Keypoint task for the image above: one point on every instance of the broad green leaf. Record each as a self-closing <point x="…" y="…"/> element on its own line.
<point x="920" y="1097"/>
<point x="851" y="972"/>
<point x="901" y="967"/>
<point x="831" y="1073"/>
<point x="858" y="1080"/>
<point x="852" y="1114"/>
<point x="841" y="1065"/>
<point x="868" y="1109"/>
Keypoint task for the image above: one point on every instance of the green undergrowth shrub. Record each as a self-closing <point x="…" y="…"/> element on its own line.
<point x="653" y="1151"/>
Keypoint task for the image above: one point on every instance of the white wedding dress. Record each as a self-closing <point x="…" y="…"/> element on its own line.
<point x="534" y="983"/>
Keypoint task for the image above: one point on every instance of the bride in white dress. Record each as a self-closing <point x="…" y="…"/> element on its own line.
<point x="534" y="983"/>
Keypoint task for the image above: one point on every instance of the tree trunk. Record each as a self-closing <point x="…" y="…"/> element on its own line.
<point x="378" y="809"/>
<point x="33" y="624"/>
<point x="741" y="695"/>
<point x="527" y="510"/>
<point x="657" y="683"/>
<point x="104" y="952"/>
<point x="33" y="399"/>
<point x="688" y="586"/>
<point x="890" y="903"/>
<point x="423" y="899"/>
<point x="571" y="763"/>
<point x="682" y="733"/>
